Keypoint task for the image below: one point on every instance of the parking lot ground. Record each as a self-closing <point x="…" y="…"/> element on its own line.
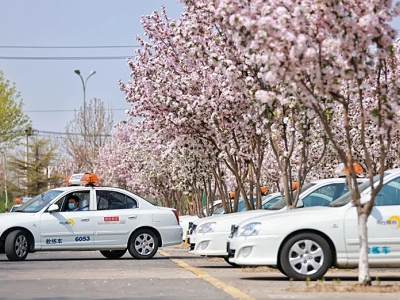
<point x="171" y="274"/>
<point x="87" y="275"/>
<point x="265" y="283"/>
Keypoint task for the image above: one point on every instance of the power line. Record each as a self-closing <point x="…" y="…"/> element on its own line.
<point x="68" y="47"/>
<point x="63" y="57"/>
<point x="64" y="110"/>
<point x="72" y="133"/>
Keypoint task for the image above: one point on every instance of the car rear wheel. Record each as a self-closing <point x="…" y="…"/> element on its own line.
<point x="143" y="244"/>
<point x="17" y="245"/>
<point x="113" y="254"/>
<point x="306" y="255"/>
<point x="231" y="263"/>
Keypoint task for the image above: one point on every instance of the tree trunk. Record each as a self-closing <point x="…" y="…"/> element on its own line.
<point x="363" y="266"/>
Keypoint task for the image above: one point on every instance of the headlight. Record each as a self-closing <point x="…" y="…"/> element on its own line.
<point x="249" y="229"/>
<point x="206" y="227"/>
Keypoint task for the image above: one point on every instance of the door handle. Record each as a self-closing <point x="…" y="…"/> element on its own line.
<point x="132" y="217"/>
<point x="85" y="219"/>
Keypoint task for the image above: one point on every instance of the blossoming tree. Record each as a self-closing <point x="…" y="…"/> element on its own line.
<point x="333" y="57"/>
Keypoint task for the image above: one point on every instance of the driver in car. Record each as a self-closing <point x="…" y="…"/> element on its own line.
<point x="73" y="203"/>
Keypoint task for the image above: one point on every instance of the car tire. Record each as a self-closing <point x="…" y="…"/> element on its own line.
<point x="143" y="244"/>
<point x="16" y="245"/>
<point x="305" y="255"/>
<point x="231" y="263"/>
<point x="113" y="254"/>
<point x="279" y="267"/>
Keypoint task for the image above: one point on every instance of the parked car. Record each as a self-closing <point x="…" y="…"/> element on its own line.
<point x="186" y="219"/>
<point x="208" y="235"/>
<point x="110" y="219"/>
<point x="306" y="243"/>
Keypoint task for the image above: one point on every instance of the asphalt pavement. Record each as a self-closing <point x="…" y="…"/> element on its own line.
<point x="87" y="275"/>
<point x="172" y="274"/>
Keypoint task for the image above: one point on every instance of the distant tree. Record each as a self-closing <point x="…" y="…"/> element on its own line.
<point x="13" y="121"/>
<point x="36" y="170"/>
<point x="85" y="137"/>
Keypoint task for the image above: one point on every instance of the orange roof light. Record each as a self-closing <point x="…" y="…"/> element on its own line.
<point x="82" y="179"/>
<point x="90" y="178"/>
<point x="66" y="180"/>
<point x="341" y="169"/>
<point x="295" y="185"/>
<point x="231" y="195"/>
<point x="263" y="190"/>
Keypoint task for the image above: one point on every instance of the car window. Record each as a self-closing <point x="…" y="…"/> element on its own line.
<point x="389" y="194"/>
<point x="84" y="201"/>
<point x="39" y="202"/>
<point x="323" y="196"/>
<point x="109" y="200"/>
<point x="346" y="198"/>
<point x="270" y="202"/>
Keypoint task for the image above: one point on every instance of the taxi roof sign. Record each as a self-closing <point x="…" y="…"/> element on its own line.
<point x="82" y="179"/>
<point x="341" y="169"/>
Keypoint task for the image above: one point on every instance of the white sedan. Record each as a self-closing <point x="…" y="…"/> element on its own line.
<point x="208" y="235"/>
<point x="306" y="243"/>
<point x="186" y="219"/>
<point x="111" y="220"/>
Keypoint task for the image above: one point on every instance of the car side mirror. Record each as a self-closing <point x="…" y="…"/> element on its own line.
<point x="53" y="208"/>
<point x="300" y="203"/>
<point x="365" y="199"/>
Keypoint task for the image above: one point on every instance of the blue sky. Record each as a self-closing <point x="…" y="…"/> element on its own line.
<point x="53" y="85"/>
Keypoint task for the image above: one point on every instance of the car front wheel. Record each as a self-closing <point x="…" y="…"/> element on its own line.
<point x="306" y="255"/>
<point x="113" y="254"/>
<point x="143" y="244"/>
<point x="17" y="245"/>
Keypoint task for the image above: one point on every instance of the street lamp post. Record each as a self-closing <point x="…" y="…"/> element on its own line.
<point x="78" y="72"/>
<point x="29" y="131"/>
<point x="5" y="178"/>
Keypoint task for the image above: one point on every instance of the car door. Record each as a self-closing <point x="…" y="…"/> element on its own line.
<point x="68" y="230"/>
<point x="117" y="215"/>
<point x="383" y="228"/>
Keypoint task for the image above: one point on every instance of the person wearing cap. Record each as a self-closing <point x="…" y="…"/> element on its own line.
<point x="73" y="203"/>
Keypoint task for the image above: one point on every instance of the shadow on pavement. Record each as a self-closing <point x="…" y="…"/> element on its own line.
<point x="326" y="278"/>
<point x="217" y="267"/>
<point x="95" y="259"/>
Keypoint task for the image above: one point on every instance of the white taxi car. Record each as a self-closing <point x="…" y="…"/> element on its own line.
<point x="306" y="243"/>
<point x="186" y="219"/>
<point x="111" y="220"/>
<point x="208" y="235"/>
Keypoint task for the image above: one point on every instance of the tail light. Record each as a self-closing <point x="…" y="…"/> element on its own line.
<point x="176" y="215"/>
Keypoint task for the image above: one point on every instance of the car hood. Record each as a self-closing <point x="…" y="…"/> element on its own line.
<point x="234" y="217"/>
<point x="10" y="217"/>
<point x="298" y="214"/>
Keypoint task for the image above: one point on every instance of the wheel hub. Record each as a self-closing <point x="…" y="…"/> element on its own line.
<point x="306" y="257"/>
<point x="144" y="244"/>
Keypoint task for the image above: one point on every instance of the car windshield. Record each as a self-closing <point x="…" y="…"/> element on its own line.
<point x="37" y="203"/>
<point x="346" y="198"/>
<point x="219" y="211"/>
<point x="281" y="203"/>
<point x="14" y="208"/>
<point x="271" y="202"/>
